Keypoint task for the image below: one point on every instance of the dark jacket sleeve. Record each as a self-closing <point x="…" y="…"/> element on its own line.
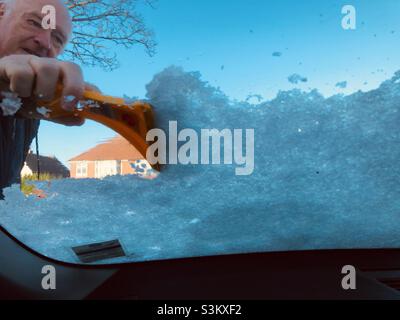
<point x="16" y="136"/>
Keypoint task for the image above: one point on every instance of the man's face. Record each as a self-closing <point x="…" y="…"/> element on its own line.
<point x="22" y="32"/>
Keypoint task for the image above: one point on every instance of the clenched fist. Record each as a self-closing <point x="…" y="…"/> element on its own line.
<point x="35" y="78"/>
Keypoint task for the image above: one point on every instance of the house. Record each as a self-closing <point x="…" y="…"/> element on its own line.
<point x="50" y="165"/>
<point x="112" y="157"/>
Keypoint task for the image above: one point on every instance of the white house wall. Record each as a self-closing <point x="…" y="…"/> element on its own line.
<point x="107" y="168"/>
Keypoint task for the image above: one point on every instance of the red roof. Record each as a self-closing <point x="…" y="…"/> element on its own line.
<point x="117" y="148"/>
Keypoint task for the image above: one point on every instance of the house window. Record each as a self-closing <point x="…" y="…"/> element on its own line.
<point x="119" y="167"/>
<point x="81" y="169"/>
<point x="106" y="168"/>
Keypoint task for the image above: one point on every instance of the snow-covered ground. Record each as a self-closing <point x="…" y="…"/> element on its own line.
<point x="326" y="175"/>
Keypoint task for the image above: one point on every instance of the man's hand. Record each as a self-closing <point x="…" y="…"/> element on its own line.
<point x="36" y="78"/>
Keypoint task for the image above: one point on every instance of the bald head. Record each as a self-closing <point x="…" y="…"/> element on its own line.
<point x="22" y="31"/>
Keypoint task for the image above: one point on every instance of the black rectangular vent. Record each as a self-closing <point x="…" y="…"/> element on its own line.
<point x="99" y="251"/>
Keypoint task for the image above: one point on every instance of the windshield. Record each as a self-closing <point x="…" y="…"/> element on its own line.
<point x="281" y="132"/>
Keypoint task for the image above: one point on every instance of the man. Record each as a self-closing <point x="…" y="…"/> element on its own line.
<point x="29" y="69"/>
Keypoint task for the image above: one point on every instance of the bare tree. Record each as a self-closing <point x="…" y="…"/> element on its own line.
<point x="101" y="24"/>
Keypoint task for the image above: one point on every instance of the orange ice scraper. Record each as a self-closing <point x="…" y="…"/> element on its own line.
<point x="130" y="120"/>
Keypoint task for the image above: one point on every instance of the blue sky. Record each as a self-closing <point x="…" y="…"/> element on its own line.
<point x="241" y="35"/>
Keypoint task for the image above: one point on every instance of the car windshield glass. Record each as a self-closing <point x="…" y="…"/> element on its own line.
<point x="278" y="129"/>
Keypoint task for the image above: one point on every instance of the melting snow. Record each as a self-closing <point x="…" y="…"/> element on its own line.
<point x="10" y="104"/>
<point x="341" y="85"/>
<point x="43" y="111"/>
<point x="296" y="78"/>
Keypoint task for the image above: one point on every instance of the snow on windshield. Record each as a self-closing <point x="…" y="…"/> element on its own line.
<point x="326" y="175"/>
